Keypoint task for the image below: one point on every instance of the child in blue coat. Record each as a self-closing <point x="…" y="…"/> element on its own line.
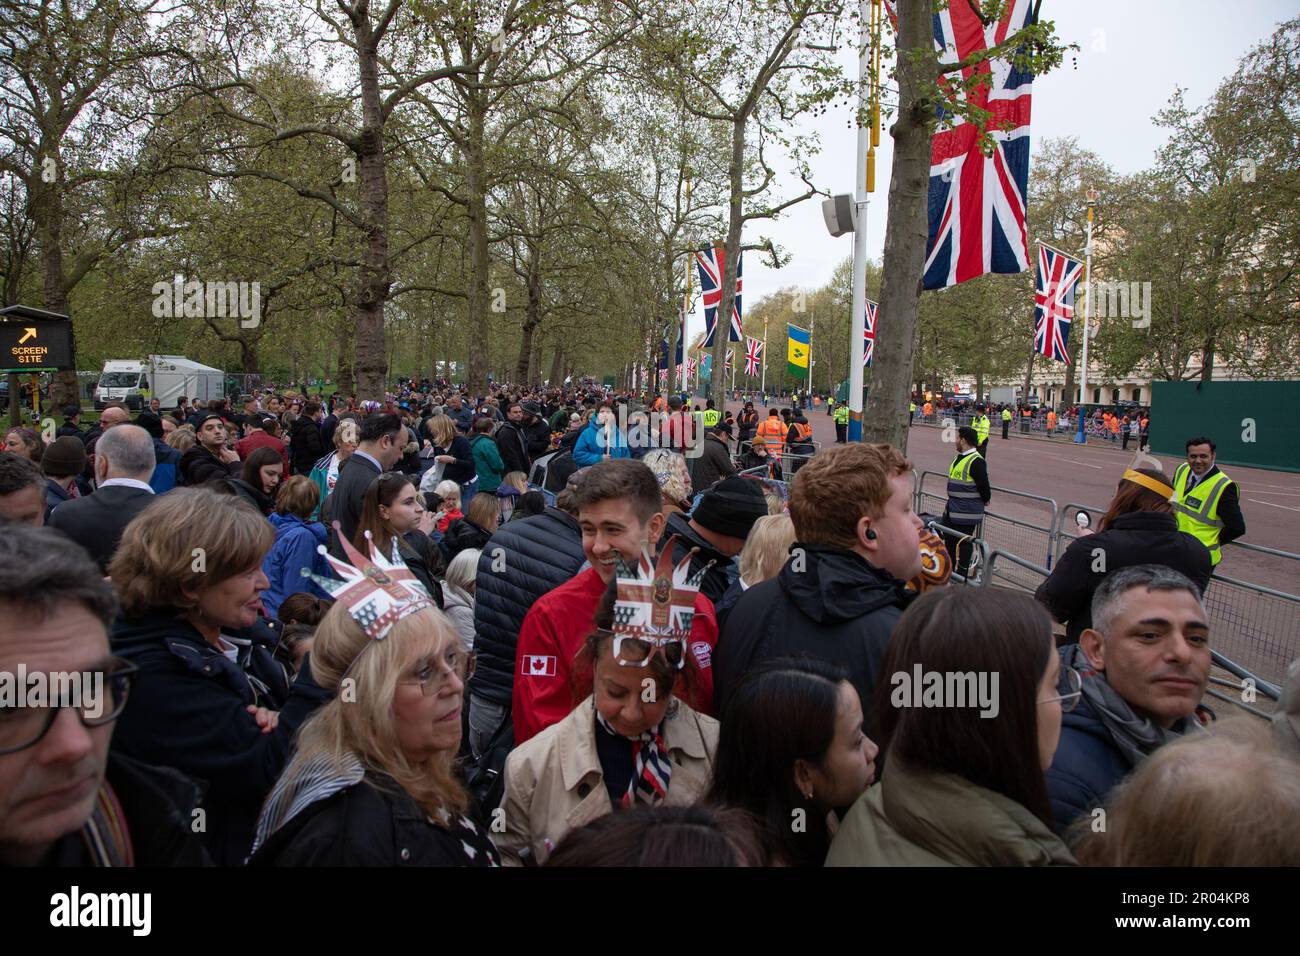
<point x="296" y="538"/>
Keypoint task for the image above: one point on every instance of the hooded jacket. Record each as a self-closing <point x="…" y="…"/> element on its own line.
<point x="522" y="561"/>
<point x="199" y="465"/>
<point x="294" y="550"/>
<point x="712" y="464"/>
<point x="306" y="444"/>
<point x="837" y="607"/>
<point x="1143" y="537"/>
<point x="593" y="444"/>
<point x="487" y="462"/>
<point x="924" y="818"/>
<point x="458" y="605"/>
<point x="463" y="534"/>
<point x="716" y="581"/>
<point x="512" y="443"/>
<point x="188" y="711"/>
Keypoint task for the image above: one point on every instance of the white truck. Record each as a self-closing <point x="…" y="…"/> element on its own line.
<point x="164" y="377"/>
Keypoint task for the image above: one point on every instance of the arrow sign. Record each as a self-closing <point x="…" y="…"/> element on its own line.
<point x="28" y="334"/>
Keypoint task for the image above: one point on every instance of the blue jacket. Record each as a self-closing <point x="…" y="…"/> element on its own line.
<point x="294" y="549"/>
<point x="1086" y="767"/>
<point x="166" y="470"/>
<point x="591" y="444"/>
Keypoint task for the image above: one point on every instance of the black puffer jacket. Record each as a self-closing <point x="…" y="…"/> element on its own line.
<point x="463" y="534"/>
<point x="375" y="823"/>
<point x="188" y="711"/>
<point x="306" y="444"/>
<point x="838" y="608"/>
<point x="1143" y="537"/>
<point x="715" y="581"/>
<point x="536" y="554"/>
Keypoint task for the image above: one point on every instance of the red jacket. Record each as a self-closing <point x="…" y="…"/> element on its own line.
<point x="553" y="632"/>
<point x="260" y="439"/>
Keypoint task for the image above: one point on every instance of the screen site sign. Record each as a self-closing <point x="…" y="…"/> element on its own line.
<point x="34" y="345"/>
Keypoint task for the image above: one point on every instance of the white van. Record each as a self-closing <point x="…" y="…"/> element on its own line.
<point x="164" y="377"/>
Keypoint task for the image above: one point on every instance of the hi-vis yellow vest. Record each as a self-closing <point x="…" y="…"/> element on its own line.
<point x="1199" y="514"/>
<point x="841" y="415"/>
<point x="711" y="417"/>
<point x="981" y="424"/>
<point x="1006" y="414"/>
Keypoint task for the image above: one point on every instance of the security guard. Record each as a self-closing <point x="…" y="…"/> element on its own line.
<point x="911" y="410"/>
<point x="968" y="493"/>
<point x="800" y="441"/>
<point x="842" y="424"/>
<point x="830" y="404"/>
<point x="1006" y="420"/>
<point x="1206" y="501"/>
<point x="981" y="426"/>
<point x="711" y="415"/>
<point x="771" y="432"/>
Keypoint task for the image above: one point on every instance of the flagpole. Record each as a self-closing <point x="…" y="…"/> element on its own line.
<point x="864" y="159"/>
<point x="811" y="322"/>
<point x="690" y="268"/>
<point x="763" y="380"/>
<point x="1081" y="436"/>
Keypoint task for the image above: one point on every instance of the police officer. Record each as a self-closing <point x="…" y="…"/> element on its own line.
<point x="968" y="493"/>
<point x="981" y="426"/>
<point x="830" y="405"/>
<point x="842" y="424"/>
<point x="1206" y="501"/>
<point x="1006" y="421"/>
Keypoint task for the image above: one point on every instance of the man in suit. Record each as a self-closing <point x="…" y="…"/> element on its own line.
<point x="382" y="441"/>
<point x="124" y="461"/>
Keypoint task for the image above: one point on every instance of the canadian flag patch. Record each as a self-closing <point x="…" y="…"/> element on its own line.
<point x="537" y="665"/>
<point x="703" y="653"/>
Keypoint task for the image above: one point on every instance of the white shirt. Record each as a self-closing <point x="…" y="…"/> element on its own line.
<point x="125" y="483"/>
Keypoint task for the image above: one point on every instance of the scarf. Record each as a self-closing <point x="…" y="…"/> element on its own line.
<point x="314" y="779"/>
<point x="105" y="833"/>
<point x="1135" y="736"/>
<point x="652" y="768"/>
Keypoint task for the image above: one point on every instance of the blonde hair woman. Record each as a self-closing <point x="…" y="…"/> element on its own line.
<point x="673" y="476"/>
<point x="182" y="439"/>
<point x="211" y="699"/>
<point x="373" y="781"/>
<point x="765" y="552"/>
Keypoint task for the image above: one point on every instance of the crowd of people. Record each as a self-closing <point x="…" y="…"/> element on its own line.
<point x="560" y="627"/>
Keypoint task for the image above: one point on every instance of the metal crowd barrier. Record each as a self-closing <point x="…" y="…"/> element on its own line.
<point x="979" y="560"/>
<point x="1029" y="536"/>
<point x="1026" y="576"/>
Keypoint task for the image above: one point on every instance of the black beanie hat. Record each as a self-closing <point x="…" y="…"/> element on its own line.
<point x="731" y="507"/>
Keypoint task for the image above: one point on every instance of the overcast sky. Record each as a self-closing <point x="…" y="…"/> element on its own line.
<point x="1132" y="55"/>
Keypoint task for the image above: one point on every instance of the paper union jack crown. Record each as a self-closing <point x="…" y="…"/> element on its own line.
<point x="657" y="600"/>
<point x="377" y="591"/>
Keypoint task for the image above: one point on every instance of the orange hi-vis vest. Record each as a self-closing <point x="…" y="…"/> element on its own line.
<point x="804" y="432"/>
<point x="771" y="431"/>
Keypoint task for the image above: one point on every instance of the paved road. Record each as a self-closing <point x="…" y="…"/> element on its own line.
<point x="1259" y="631"/>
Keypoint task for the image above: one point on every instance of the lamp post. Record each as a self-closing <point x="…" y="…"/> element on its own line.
<point x="1081" y="436"/>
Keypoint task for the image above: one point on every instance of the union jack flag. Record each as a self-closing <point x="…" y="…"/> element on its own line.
<point x="710" y="265"/>
<point x="1058" y="275"/>
<point x="753" y="357"/>
<point x="869" y="333"/>
<point x="690" y="366"/>
<point x="730" y="353"/>
<point x="977" y="202"/>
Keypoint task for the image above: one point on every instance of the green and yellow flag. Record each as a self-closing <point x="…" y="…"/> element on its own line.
<point x="797" y="350"/>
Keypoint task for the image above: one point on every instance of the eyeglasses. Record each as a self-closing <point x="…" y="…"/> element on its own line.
<point x="638" y="651"/>
<point x="1068" y="701"/>
<point x="23" y="727"/>
<point x="431" y="678"/>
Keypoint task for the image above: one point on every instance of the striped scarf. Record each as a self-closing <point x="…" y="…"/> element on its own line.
<point x="106" y="835"/>
<point x="306" y="782"/>
<point x="653" y="769"/>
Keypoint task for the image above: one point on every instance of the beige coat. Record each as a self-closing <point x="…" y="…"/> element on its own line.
<point x="554" y="782"/>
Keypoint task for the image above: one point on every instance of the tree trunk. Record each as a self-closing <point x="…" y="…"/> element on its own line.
<point x="525" y="366"/>
<point x="1207" y="358"/>
<point x="47" y="209"/>
<point x="375" y="279"/>
<point x="906" y="229"/>
<point x="346" y="333"/>
<point x="557" y="366"/>
<point x="731" y="246"/>
<point x="476" y="187"/>
<point x="1029" y="374"/>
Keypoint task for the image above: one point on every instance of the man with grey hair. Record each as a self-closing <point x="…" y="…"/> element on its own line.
<point x="65" y="799"/>
<point x="1135" y="678"/>
<point x="22" y="490"/>
<point x="124" y="462"/>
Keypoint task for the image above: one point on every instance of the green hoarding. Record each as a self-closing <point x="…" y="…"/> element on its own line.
<point x="1251" y="423"/>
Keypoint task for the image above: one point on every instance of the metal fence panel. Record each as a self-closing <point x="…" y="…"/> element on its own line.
<point x="1015" y="522"/>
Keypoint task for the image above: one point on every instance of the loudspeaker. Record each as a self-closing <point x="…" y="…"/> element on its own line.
<point x="840" y="214"/>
